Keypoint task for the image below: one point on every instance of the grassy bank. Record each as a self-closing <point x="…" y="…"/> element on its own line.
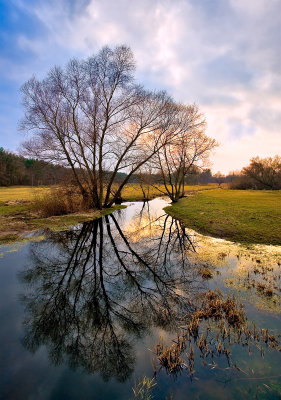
<point x="133" y="192"/>
<point x="17" y="214"/>
<point x="237" y="215"/>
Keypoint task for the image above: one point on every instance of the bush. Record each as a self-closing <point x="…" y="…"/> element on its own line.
<point x="265" y="173"/>
<point x="59" y="201"/>
<point x="241" y="183"/>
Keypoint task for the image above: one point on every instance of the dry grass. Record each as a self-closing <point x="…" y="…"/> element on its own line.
<point x="213" y="327"/>
<point x="130" y="192"/>
<point x="20" y="193"/>
<point x="25" y="209"/>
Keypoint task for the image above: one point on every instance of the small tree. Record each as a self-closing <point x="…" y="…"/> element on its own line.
<point x="219" y="178"/>
<point x="145" y="180"/>
<point x="264" y="173"/>
<point x="190" y="147"/>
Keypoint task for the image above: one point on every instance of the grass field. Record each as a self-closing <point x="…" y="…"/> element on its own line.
<point x="16" y="195"/>
<point x="133" y="192"/>
<point x="17" y="199"/>
<point x="20" y="193"/>
<point x="237" y="215"/>
<point x="17" y="214"/>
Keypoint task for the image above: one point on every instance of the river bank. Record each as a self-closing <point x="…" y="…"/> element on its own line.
<point x="245" y="216"/>
<point x="18" y="216"/>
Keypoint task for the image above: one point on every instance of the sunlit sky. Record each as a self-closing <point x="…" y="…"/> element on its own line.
<point x="224" y="55"/>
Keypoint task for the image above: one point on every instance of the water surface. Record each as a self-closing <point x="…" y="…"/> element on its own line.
<point x="82" y="311"/>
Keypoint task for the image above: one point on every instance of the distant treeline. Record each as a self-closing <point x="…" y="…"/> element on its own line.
<point x="261" y="173"/>
<point x="18" y="170"/>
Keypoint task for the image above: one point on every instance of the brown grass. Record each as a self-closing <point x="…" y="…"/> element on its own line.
<point x="213" y="327"/>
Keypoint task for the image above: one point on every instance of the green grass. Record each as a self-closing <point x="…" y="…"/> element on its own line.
<point x="17" y="214"/>
<point x="237" y="215"/>
<point x="132" y="192"/>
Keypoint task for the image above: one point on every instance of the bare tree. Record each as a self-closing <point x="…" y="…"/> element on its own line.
<point x="92" y="117"/>
<point x="145" y="180"/>
<point x="188" y="147"/>
<point x="264" y="173"/>
<point x="219" y="178"/>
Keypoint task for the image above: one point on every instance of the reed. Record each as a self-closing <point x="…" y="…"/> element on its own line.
<point x="216" y="324"/>
<point x="143" y="388"/>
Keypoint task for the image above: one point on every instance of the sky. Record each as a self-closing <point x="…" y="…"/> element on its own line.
<point x="224" y="55"/>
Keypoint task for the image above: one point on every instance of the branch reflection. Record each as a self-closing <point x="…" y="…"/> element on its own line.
<point x="93" y="291"/>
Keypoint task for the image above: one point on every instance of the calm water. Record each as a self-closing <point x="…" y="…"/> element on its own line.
<point x="82" y="311"/>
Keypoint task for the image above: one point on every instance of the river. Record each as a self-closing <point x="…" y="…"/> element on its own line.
<point x="82" y="312"/>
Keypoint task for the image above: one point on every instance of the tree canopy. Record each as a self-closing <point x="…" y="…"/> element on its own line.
<point x="93" y="117"/>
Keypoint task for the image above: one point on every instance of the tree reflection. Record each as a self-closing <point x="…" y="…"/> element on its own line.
<point x="93" y="291"/>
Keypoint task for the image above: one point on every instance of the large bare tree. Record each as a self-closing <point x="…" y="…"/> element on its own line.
<point x="95" y="119"/>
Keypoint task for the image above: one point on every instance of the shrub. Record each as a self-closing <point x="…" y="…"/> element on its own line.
<point x="241" y="183"/>
<point x="265" y="173"/>
<point x="59" y="201"/>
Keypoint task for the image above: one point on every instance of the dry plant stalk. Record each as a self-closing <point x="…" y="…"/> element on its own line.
<point x="214" y="326"/>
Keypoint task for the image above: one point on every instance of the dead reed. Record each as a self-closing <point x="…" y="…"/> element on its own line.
<point x="205" y="273"/>
<point x="213" y="327"/>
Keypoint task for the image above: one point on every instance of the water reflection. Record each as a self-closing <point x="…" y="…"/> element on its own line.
<point x="91" y="292"/>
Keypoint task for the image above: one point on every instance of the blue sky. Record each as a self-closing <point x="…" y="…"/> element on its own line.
<point x="222" y="54"/>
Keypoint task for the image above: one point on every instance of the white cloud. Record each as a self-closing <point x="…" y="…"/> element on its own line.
<point x="224" y="55"/>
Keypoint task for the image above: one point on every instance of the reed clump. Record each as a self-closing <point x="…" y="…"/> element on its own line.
<point x="169" y="357"/>
<point x="143" y="388"/>
<point x="215" y="324"/>
<point x="205" y="272"/>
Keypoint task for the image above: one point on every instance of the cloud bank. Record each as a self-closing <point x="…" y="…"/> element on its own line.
<point x="222" y="54"/>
